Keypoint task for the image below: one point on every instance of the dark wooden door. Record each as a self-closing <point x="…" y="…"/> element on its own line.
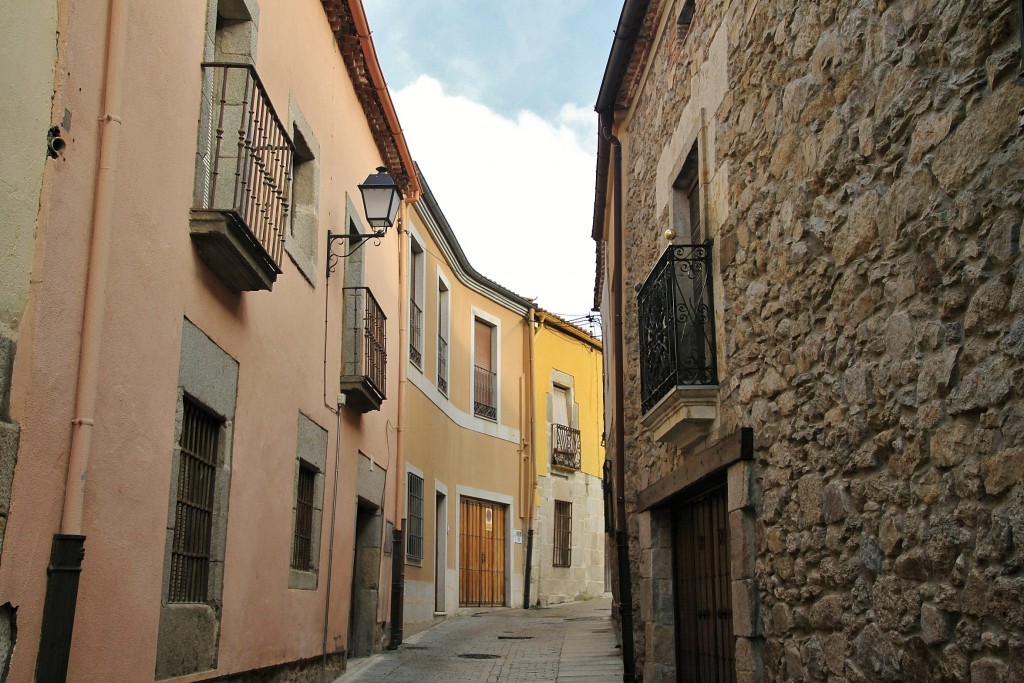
<point x="705" y="645"/>
<point x="481" y="553"/>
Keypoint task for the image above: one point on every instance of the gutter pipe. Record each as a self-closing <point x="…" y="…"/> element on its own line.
<point x="68" y="546"/>
<point x="330" y="552"/>
<point x="616" y="304"/>
<point x="532" y="456"/>
<point x="398" y="554"/>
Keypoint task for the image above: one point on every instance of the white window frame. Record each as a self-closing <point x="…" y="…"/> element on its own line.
<point x="495" y="322"/>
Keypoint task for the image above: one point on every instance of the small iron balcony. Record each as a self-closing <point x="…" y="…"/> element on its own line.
<point x="243" y="179"/>
<point x="565" y="446"/>
<point x="415" y="333"/>
<point x="678" y="362"/>
<point x="364" y="355"/>
<point x="484" y="403"/>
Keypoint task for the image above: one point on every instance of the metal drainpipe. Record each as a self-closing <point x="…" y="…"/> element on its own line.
<point x="68" y="546"/>
<point x="398" y="576"/>
<point x="532" y="463"/>
<point x="621" y="535"/>
<point x="330" y="552"/>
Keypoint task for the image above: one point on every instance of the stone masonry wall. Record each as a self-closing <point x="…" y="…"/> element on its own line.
<point x="870" y="310"/>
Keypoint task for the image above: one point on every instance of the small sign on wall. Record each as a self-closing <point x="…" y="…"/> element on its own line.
<point x="517" y="535"/>
<point x="489" y="519"/>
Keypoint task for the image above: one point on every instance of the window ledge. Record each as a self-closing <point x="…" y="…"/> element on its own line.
<point x="683" y="415"/>
<point x="414" y="561"/>
<point x="301" y="580"/>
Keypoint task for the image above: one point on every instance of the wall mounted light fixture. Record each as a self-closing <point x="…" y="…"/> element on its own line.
<point x="381" y="199"/>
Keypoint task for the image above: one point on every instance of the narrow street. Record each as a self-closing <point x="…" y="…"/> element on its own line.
<point x="571" y="642"/>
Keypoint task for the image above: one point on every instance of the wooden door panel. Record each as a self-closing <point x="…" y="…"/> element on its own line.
<point x="481" y="553"/>
<point x="704" y="638"/>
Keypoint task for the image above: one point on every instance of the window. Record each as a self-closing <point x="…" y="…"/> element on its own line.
<point x="565" y="438"/>
<point x="416" y="304"/>
<point x="562" y="555"/>
<point x="414" y="517"/>
<point x="193" y="517"/>
<point x="686" y="208"/>
<point x="304" y="230"/>
<point x="302" y="538"/>
<point x="484" y="378"/>
<point x="442" y="336"/>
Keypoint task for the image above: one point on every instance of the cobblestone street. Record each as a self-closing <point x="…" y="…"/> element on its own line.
<point x="572" y="642"/>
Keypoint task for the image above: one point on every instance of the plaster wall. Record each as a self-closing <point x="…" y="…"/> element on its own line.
<point x="156" y="280"/>
<point x="450" y="446"/>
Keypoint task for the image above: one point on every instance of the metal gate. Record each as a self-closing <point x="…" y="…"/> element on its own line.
<point x="481" y="553"/>
<point x="705" y="645"/>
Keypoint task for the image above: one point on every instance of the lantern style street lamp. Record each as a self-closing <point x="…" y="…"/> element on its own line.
<point x="381" y="198"/>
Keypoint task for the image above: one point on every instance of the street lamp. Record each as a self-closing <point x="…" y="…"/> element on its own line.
<point x="381" y="198"/>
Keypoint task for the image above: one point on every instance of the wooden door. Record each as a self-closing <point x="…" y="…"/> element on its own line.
<point x="481" y="553"/>
<point x="705" y="645"/>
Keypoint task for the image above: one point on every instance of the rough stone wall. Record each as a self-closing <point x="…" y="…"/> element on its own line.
<point x="585" y="578"/>
<point x="870" y="307"/>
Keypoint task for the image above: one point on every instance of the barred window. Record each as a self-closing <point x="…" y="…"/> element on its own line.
<point x="193" y="518"/>
<point x="414" y="546"/>
<point x="302" y="538"/>
<point x="562" y="556"/>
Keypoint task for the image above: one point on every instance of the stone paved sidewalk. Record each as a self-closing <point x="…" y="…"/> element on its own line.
<point x="567" y="643"/>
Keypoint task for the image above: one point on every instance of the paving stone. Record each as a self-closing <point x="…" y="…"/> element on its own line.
<point x="569" y="642"/>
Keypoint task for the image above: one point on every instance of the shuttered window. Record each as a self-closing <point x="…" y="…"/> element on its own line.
<point x="560" y="406"/>
<point x="484" y="378"/>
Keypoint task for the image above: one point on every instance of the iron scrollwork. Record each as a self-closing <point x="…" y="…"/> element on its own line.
<point x="677" y="328"/>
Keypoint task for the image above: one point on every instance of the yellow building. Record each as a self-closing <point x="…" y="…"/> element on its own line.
<point x="465" y="415"/>
<point x="568" y="555"/>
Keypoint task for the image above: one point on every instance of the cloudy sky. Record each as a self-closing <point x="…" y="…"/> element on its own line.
<point x="497" y="103"/>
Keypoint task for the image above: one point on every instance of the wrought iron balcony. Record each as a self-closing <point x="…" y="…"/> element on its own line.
<point x="442" y="365"/>
<point x="565" y="446"/>
<point x="484" y="384"/>
<point x="243" y="179"/>
<point x="677" y="324"/>
<point x="364" y="354"/>
<point x="415" y="333"/>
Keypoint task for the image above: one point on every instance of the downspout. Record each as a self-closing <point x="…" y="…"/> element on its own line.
<point x="398" y="540"/>
<point x="616" y="304"/>
<point x="330" y="552"/>
<point x="68" y="546"/>
<point x="531" y="455"/>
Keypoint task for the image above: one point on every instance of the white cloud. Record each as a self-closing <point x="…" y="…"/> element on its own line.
<point x="518" y="193"/>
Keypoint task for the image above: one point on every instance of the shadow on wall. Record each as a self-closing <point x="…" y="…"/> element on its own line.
<point x="8" y="636"/>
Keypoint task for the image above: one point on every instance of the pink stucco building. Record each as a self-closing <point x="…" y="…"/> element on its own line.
<point x="181" y="350"/>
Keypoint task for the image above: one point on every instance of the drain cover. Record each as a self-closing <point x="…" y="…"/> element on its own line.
<point x="477" y="655"/>
<point x="414" y="647"/>
<point x="515" y="637"/>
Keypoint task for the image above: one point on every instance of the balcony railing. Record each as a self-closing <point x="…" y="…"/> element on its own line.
<point x="364" y="361"/>
<point x="415" y="333"/>
<point x="244" y="175"/>
<point x="442" y="365"/>
<point x="677" y="324"/>
<point x="565" y="446"/>
<point x="484" y="404"/>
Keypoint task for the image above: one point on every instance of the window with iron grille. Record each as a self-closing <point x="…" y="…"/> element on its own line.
<point x="416" y="270"/>
<point x="193" y="518"/>
<point x="302" y="538"/>
<point x="562" y="555"/>
<point x="414" y="517"/>
<point x="484" y="378"/>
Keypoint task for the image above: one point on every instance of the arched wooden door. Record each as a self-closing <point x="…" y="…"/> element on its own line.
<point x="481" y="553"/>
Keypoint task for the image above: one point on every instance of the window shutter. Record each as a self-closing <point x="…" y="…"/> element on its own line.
<point x="560" y="407"/>
<point x="482" y="345"/>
